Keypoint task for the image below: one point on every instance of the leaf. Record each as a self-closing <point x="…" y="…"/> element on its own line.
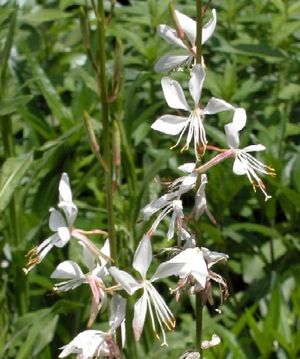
<point x="11" y="105"/>
<point x="44" y="15"/>
<point x="12" y="172"/>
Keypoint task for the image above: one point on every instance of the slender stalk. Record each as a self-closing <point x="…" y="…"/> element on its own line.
<point x="199" y="305"/>
<point x="107" y="155"/>
<point x="199" y="32"/>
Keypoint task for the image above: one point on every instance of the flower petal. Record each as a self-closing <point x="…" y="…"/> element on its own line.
<point x="165" y="270"/>
<point x="170" y="35"/>
<point x="67" y="270"/>
<point x="65" y="193"/>
<point x="140" y="310"/>
<point x="126" y="280"/>
<point x="254" y="148"/>
<point x="209" y="27"/>
<point x="196" y="83"/>
<point x="169" y="62"/>
<point x="187" y="167"/>
<point x="143" y="256"/>
<point x="239" y="167"/>
<point x="188" y="26"/>
<point x="174" y="94"/>
<point x="232" y="135"/>
<point x="216" y="105"/>
<point x="117" y="311"/>
<point x="64" y="235"/>
<point x="170" y="124"/>
<point x="200" y="203"/>
<point x="56" y="220"/>
<point x="157" y="204"/>
<point x="239" y="118"/>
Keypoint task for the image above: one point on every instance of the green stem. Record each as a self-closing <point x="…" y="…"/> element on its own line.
<point x="199" y="32"/>
<point x="199" y="313"/>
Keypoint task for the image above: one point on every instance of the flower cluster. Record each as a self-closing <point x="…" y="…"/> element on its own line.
<point x="190" y="262"/>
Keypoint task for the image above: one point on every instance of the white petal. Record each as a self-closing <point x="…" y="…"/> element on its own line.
<point x="56" y="220"/>
<point x="67" y="270"/>
<point x="196" y="83"/>
<point x="157" y="204"/>
<point x="188" y="26"/>
<point x="239" y="118"/>
<point x="170" y="62"/>
<point x="174" y="94"/>
<point x="238" y="167"/>
<point x="65" y="193"/>
<point x="143" y="256"/>
<point x="170" y="124"/>
<point x="209" y="27"/>
<point x="126" y="280"/>
<point x="254" y="148"/>
<point x="170" y="35"/>
<point x="200" y="203"/>
<point x="64" y="235"/>
<point x="140" y="310"/>
<point x="216" y="105"/>
<point x="187" y="167"/>
<point x="165" y="270"/>
<point x="117" y="311"/>
<point x="212" y="257"/>
<point x="232" y="136"/>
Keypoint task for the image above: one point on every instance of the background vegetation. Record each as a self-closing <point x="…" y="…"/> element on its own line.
<point x="46" y="83"/>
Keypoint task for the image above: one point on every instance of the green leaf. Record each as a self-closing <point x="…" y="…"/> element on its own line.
<point x="12" y="172"/>
<point x="44" y="15"/>
<point x="11" y="105"/>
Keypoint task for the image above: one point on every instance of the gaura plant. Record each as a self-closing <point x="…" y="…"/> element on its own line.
<point x="189" y="260"/>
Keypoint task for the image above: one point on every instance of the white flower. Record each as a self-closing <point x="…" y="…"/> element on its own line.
<point x="244" y="163"/>
<point x="167" y="203"/>
<point x="189" y="27"/>
<point x="96" y="343"/>
<point x="174" y="125"/>
<point x="150" y="299"/>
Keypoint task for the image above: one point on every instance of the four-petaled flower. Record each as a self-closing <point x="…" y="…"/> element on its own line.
<point x="189" y="27"/>
<point x="150" y="299"/>
<point x="244" y="163"/>
<point x="174" y="125"/>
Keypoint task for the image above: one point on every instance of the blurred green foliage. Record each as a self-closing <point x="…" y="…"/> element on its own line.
<point x="47" y="82"/>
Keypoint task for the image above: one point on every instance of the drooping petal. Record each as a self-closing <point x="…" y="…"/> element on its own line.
<point x="196" y="83"/>
<point x="232" y="135"/>
<point x="67" y="270"/>
<point x="212" y="257"/>
<point x="209" y="27"/>
<point x="143" y="256"/>
<point x="254" y="148"/>
<point x="200" y="203"/>
<point x="170" y="35"/>
<point x="170" y="124"/>
<point x="188" y="26"/>
<point x="56" y="220"/>
<point x="174" y="94"/>
<point x="126" y="280"/>
<point x="65" y="193"/>
<point x="216" y="105"/>
<point x="157" y="204"/>
<point x="239" y="118"/>
<point x="140" y="310"/>
<point x="169" y="62"/>
<point x="117" y="311"/>
<point x="176" y="217"/>
<point x="165" y="270"/>
<point x="187" y="167"/>
<point x="239" y="167"/>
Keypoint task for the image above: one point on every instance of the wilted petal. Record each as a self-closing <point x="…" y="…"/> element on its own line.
<point x="254" y="148"/>
<point x="170" y="35"/>
<point x="200" y="203"/>
<point x="67" y="270"/>
<point x="157" y="204"/>
<point x="170" y="124"/>
<point x="65" y="193"/>
<point x="232" y="135"/>
<point x="169" y="62"/>
<point x="212" y="257"/>
<point x="174" y="94"/>
<point x="196" y="83"/>
<point x="216" y="105"/>
<point x="209" y="27"/>
<point x="188" y="26"/>
<point x="143" y="256"/>
<point x="215" y="340"/>
<point x="140" y="310"/>
<point x="126" y="280"/>
<point x="117" y="311"/>
<point x="56" y="220"/>
<point x="239" y="167"/>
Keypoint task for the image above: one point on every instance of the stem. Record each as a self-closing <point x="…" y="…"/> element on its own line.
<point x="215" y="161"/>
<point x="199" y="32"/>
<point x="106" y="133"/>
<point x="199" y="313"/>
